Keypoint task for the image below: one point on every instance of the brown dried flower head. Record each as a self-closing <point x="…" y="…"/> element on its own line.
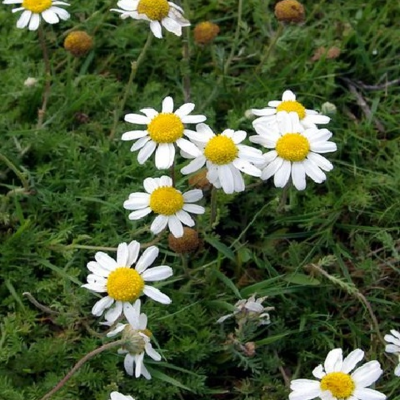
<point x="188" y="243"/>
<point x="289" y="11"/>
<point x="200" y="181"/>
<point x="78" y="43"/>
<point x="205" y="32"/>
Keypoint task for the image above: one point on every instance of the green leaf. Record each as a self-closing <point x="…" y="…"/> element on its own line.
<point x="301" y="279"/>
<point x="222" y="248"/>
<point x="223" y="278"/>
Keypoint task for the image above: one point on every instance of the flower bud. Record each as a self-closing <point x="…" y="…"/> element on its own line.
<point x="78" y="43"/>
<point x="289" y="11"/>
<point x="188" y="243"/>
<point x="205" y="32"/>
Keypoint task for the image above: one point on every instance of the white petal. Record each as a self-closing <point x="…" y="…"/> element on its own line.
<point x="321" y="161"/>
<point x="165" y="155"/>
<point x="368" y="394"/>
<point x="194" y="165"/>
<point x="24" y="19"/>
<point x="128" y="364"/>
<point x="137" y="201"/>
<point x="172" y="26"/>
<point x="367" y="374"/>
<point x="323" y="147"/>
<point x="159" y="223"/>
<point x="156" y="294"/>
<point x="188" y="147"/>
<point x="97" y="269"/>
<point x="333" y="361"/>
<point x="194" y="208"/>
<point x="156" y="29"/>
<point x="185" y="218"/>
<point x="34" y="22"/>
<point x="317" y="135"/>
<point x="166" y="181"/>
<point x="392" y="348"/>
<point x="168" y="105"/>
<point x="397" y="370"/>
<point x="147" y="258"/>
<point x="316" y="119"/>
<point x="281" y="176"/>
<point x="105" y="261"/>
<point x="226" y="178"/>
<point x="140" y="143"/>
<point x="193" y="119"/>
<point x="146" y="151"/>
<point x="149" y="112"/>
<point x="50" y="17"/>
<point x="288" y="95"/>
<point x="151" y="352"/>
<point x="113" y="313"/>
<point x="150" y="185"/>
<point x="184" y="110"/>
<point x="313" y="171"/>
<point x="102" y="305"/>
<point x="192" y="196"/>
<point x="157" y="273"/>
<point x="319" y="372"/>
<point x="133" y="135"/>
<point x="137" y="119"/>
<point x="122" y="255"/>
<point x="299" y="175"/>
<point x="135" y="215"/>
<point x="246" y="167"/>
<point x="352" y="360"/>
<point x="175" y="226"/>
<point x="131" y="313"/>
<point x="272" y="168"/>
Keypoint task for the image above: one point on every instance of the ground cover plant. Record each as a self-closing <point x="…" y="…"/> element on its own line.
<point x="189" y="237"/>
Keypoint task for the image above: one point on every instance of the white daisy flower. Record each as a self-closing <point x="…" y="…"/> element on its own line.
<point x="394" y="347"/>
<point x="308" y="118"/>
<point x="157" y="12"/>
<point x="336" y="382"/>
<point x="33" y="10"/>
<point x="170" y="204"/>
<point x="163" y="130"/>
<point x="295" y="151"/>
<point x="122" y="283"/>
<point x="119" y="396"/>
<point x="137" y="338"/>
<point x="225" y="158"/>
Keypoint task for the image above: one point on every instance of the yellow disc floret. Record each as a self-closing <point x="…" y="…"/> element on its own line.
<point x="37" y="6"/>
<point x="341" y="385"/>
<point x="293" y="147"/>
<point x="156" y="10"/>
<point x="124" y="284"/>
<point x="165" y="128"/>
<point x="78" y="43"/>
<point x="292" y="106"/>
<point x="166" y="200"/>
<point x="205" y="32"/>
<point x="221" y="150"/>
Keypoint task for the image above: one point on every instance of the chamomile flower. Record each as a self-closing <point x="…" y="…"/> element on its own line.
<point x="122" y="283"/>
<point x="170" y="204"/>
<point x="335" y="381"/>
<point x="163" y="130"/>
<point x="34" y="10"/>
<point x="119" y="396"/>
<point x="394" y="347"/>
<point x="225" y="158"/>
<point x="295" y="151"/>
<point x="137" y="339"/>
<point x="157" y="12"/>
<point x="308" y="118"/>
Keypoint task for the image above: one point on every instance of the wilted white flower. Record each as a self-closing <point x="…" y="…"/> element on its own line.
<point x="335" y="381"/>
<point x="30" y="82"/>
<point x="394" y="347"/>
<point x="250" y="309"/>
<point x="137" y="338"/>
<point x="119" y="396"/>
<point x="157" y="12"/>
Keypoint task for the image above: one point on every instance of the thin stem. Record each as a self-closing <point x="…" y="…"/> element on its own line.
<point x="47" y="87"/>
<point x="229" y="59"/>
<point x="213" y="213"/>
<point x="79" y="364"/>
<point x="283" y="200"/>
<point x="186" y="61"/>
<point x="269" y="49"/>
<point x="134" y="67"/>
<point x="40" y="306"/>
<point x="16" y="171"/>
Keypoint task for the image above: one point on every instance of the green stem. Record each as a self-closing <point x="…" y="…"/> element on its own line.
<point x="269" y="49"/>
<point x="213" y="213"/>
<point x="47" y="87"/>
<point x="79" y="364"/>
<point x="134" y="67"/>
<point x="16" y="171"/>
<point x="186" y="59"/>
<point x="229" y="59"/>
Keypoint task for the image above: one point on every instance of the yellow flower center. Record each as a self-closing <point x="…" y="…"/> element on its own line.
<point x="165" y="128"/>
<point x="292" y="106"/>
<point x="221" y="150"/>
<point x="156" y="10"/>
<point x="124" y="284"/>
<point x="339" y="384"/>
<point x="166" y="201"/>
<point x="293" y="147"/>
<point x="36" y="6"/>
